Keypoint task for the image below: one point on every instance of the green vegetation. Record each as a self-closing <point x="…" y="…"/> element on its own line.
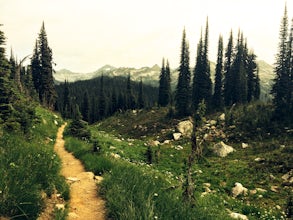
<point x="29" y="167"/>
<point x="135" y="189"/>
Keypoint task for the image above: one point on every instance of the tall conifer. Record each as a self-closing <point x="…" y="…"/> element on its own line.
<point x="182" y="96"/>
<point x="217" y="98"/>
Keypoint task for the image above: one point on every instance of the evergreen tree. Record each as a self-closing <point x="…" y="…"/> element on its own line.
<point x="42" y="70"/>
<point x="66" y="108"/>
<point x="290" y="64"/>
<point x="217" y="98"/>
<point x="13" y="65"/>
<point x="140" y="100"/>
<point x="202" y="84"/>
<point x="227" y="71"/>
<point x="86" y="107"/>
<point x="114" y="102"/>
<point x="252" y="78"/>
<point x="102" y="100"/>
<point x="182" y="96"/>
<point x="5" y="84"/>
<point x="130" y="99"/>
<point x="257" y="86"/>
<point x="164" y="85"/>
<point x="238" y="73"/>
<point x="281" y="86"/>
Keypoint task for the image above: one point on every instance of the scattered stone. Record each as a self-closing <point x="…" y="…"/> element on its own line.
<point x="275" y="189"/>
<point x="252" y="192"/>
<point x="185" y="128"/>
<point x="259" y="159"/>
<point x="179" y="147"/>
<point x="222" y="150"/>
<point x="260" y="190"/>
<point x="282" y="146"/>
<point x="238" y="216"/>
<point x="117" y="139"/>
<point x="288" y="178"/>
<point x="176" y="136"/>
<point x="212" y="122"/>
<point x="222" y="117"/>
<point x="207" y="185"/>
<point x="155" y="143"/>
<point x="207" y="137"/>
<point x="244" y="145"/>
<point x="115" y="156"/>
<point x="60" y="206"/>
<point x="238" y="189"/>
<point x="213" y="127"/>
<point x="232" y="126"/>
<point x="55" y="122"/>
<point x="278" y="207"/>
<point x="272" y="177"/>
<point x="112" y="148"/>
<point x="167" y="141"/>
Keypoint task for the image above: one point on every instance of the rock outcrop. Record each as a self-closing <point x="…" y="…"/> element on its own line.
<point x="222" y="150"/>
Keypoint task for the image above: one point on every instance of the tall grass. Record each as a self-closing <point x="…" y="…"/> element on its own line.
<point x="28" y="168"/>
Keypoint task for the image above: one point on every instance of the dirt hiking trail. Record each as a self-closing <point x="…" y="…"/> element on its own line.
<point x="84" y="202"/>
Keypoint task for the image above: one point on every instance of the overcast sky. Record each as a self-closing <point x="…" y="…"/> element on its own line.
<point x="87" y="34"/>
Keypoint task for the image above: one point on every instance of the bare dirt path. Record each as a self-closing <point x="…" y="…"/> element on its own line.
<point x="84" y="201"/>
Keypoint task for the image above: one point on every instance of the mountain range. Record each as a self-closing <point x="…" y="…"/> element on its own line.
<point x="150" y="75"/>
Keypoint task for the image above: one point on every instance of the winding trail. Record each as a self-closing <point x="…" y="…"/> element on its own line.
<point x="84" y="201"/>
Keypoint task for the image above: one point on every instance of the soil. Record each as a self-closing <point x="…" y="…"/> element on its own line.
<point x="85" y="202"/>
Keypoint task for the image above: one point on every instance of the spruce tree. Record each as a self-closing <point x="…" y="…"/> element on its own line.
<point x="140" y="100"/>
<point x="66" y="108"/>
<point x="85" y="110"/>
<point x="252" y="78"/>
<point x="164" y="85"/>
<point x="257" y="86"/>
<point x="227" y="71"/>
<point x="42" y="70"/>
<point x="161" y="100"/>
<point x="218" y="98"/>
<point x="130" y="99"/>
<point x="102" y="100"/>
<point x="202" y="84"/>
<point x="281" y="86"/>
<point x="5" y="84"/>
<point x="182" y="96"/>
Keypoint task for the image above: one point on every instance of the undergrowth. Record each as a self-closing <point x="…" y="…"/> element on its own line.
<point x="29" y="167"/>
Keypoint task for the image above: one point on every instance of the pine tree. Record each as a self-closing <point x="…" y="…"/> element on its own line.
<point x="227" y="71"/>
<point x="217" y="98"/>
<point x="202" y="84"/>
<point x="257" y="86"/>
<point x="252" y="78"/>
<point x="281" y="86"/>
<point x="130" y="100"/>
<point x="102" y="100"/>
<point x="85" y="110"/>
<point x="140" y="100"/>
<point x="5" y="84"/>
<point x="164" y="85"/>
<point x="42" y="70"/>
<point x="290" y="64"/>
<point x="182" y="96"/>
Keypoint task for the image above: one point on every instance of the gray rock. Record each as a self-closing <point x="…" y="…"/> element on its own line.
<point x="185" y="128"/>
<point x="222" y="150"/>
<point x="239" y="189"/>
<point x="222" y="117"/>
<point x="177" y="136"/>
<point x="238" y="216"/>
<point x="244" y="145"/>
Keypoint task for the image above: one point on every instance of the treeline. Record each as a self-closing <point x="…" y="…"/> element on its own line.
<point x="236" y="76"/>
<point x="101" y="97"/>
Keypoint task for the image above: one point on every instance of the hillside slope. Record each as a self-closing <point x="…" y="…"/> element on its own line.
<point x="150" y="75"/>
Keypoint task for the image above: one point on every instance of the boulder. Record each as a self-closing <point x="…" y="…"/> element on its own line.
<point x="238" y="189"/>
<point x="185" y="128"/>
<point x="222" y="150"/>
<point x="167" y="141"/>
<point x="60" y="206"/>
<point x="155" y="143"/>
<point x="177" y="136"/>
<point x="259" y="159"/>
<point x="238" y="216"/>
<point x="222" y="117"/>
<point x="179" y="147"/>
<point x="212" y="122"/>
<point x="244" y="145"/>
